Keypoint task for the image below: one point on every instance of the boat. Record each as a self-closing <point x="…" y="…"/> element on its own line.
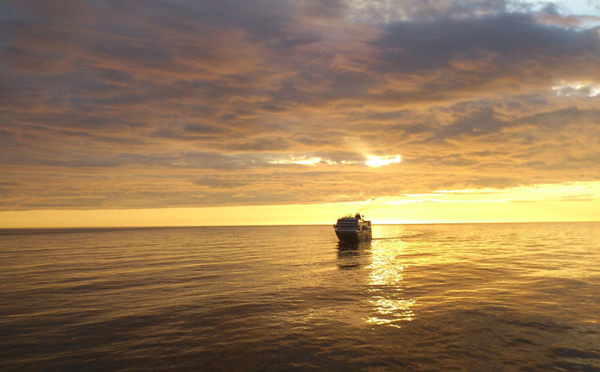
<point x="353" y="229"/>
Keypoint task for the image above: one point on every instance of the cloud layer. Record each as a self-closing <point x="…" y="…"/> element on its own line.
<point x="131" y="104"/>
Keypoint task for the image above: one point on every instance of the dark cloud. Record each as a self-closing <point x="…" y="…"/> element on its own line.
<point x="384" y="11"/>
<point x="511" y="38"/>
<point x="480" y="123"/>
<point x="325" y="9"/>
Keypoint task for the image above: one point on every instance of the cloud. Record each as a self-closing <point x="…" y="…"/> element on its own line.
<point x="480" y="123"/>
<point x="143" y="104"/>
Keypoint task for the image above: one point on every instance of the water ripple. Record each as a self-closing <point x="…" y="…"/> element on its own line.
<point x="418" y="297"/>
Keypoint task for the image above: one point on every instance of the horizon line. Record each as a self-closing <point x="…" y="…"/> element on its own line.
<point x="291" y="225"/>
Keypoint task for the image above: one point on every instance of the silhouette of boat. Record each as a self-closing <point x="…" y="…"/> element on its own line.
<point x="353" y="229"/>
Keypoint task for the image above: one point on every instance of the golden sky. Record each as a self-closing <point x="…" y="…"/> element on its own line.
<point x="192" y="112"/>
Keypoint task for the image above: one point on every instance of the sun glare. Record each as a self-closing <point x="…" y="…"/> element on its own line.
<point x="569" y="89"/>
<point x="379" y="161"/>
<point x="372" y="161"/>
<point x="552" y="202"/>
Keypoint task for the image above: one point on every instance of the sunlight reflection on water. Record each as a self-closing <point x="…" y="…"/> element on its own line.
<point x="386" y="285"/>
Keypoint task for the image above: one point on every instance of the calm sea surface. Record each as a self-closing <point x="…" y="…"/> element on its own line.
<point x="491" y="297"/>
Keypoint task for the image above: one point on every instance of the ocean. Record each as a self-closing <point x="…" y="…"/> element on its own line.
<point x="466" y="297"/>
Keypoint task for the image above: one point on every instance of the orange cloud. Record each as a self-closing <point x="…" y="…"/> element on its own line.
<point x="202" y="104"/>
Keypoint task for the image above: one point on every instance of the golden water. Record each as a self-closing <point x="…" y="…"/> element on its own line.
<point x="417" y="297"/>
